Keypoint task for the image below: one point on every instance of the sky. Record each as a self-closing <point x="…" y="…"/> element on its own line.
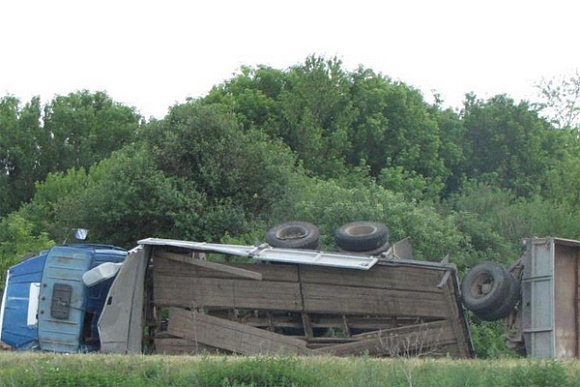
<point x="154" y="54"/>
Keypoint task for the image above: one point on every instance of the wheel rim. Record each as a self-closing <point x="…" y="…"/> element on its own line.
<point x="360" y="230"/>
<point x="293" y="232"/>
<point x="482" y="286"/>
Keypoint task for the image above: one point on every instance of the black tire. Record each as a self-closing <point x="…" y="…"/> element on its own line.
<point x="362" y="236"/>
<point x="508" y="304"/>
<point x="294" y="235"/>
<point x="485" y="288"/>
<point x="371" y="253"/>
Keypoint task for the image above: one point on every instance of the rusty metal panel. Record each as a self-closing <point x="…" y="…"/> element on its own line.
<point x="565" y="286"/>
<point x="550" y="298"/>
<point x="538" y="298"/>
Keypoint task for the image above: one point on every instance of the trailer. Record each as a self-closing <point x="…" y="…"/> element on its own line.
<point x="178" y="297"/>
<point x="537" y="298"/>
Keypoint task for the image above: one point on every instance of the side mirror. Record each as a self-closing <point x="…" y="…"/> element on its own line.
<point x="101" y="273"/>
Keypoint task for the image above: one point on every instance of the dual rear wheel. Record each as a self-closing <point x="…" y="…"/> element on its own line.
<point x="358" y="237"/>
<point x="489" y="291"/>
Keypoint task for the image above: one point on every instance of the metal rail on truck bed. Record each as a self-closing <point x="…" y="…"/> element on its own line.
<point x="267" y="253"/>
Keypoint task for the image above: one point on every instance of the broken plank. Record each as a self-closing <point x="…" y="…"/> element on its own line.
<point x="307" y="325"/>
<point x="236" y="271"/>
<point x="229" y="335"/>
<point x="191" y="292"/>
<point x="417" y="339"/>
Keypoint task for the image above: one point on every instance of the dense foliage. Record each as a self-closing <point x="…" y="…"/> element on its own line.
<point x="314" y="142"/>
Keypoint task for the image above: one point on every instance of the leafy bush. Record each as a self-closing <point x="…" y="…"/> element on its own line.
<point x="16" y="239"/>
<point x="330" y="204"/>
<point x="255" y="372"/>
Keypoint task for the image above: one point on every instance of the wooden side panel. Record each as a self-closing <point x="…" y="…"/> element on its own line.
<point x="416" y="339"/>
<point x="357" y="300"/>
<point x="414" y="279"/>
<point x="229" y="335"/>
<point x="282" y="273"/>
<point x="311" y="298"/>
<point x="226" y="293"/>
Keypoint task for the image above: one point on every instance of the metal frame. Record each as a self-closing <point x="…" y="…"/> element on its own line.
<point x="266" y="253"/>
<point x="544" y="313"/>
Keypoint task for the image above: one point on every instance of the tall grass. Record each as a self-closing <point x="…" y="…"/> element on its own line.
<point x="37" y="369"/>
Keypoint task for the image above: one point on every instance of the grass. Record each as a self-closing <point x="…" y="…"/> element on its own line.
<point x="42" y="369"/>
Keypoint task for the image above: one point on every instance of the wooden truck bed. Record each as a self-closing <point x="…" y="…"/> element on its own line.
<point x="395" y="308"/>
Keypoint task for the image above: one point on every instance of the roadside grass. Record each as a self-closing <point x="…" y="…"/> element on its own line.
<point x="92" y="370"/>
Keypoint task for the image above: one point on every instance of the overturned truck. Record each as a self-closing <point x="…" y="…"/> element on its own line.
<point x="284" y="296"/>
<point x="287" y="296"/>
<point x="284" y="301"/>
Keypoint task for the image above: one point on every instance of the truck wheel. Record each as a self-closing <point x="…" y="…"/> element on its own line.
<point x="367" y="253"/>
<point x="362" y="236"/>
<point x="294" y="235"/>
<point x="485" y="288"/>
<point x="508" y="303"/>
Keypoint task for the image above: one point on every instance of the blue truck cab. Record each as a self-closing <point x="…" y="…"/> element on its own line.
<point x="47" y="306"/>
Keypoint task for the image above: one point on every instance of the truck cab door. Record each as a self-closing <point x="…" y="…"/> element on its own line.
<point x="62" y="299"/>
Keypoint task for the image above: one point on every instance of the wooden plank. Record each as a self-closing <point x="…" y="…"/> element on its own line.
<point x="229" y="335"/>
<point x="360" y="322"/>
<point x="307" y="325"/>
<point x="405" y="341"/>
<point x="236" y="271"/>
<point x="266" y="295"/>
<point x="329" y="340"/>
<point x="371" y="301"/>
<point x="269" y="272"/>
<point x="412" y="278"/>
<point x="346" y="326"/>
<point x="268" y="321"/>
<point x="226" y="293"/>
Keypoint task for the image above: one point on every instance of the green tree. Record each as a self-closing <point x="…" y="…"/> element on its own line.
<point x="560" y="100"/>
<point x="17" y="238"/>
<point x="74" y="131"/>
<point x="394" y="127"/>
<point x="205" y="145"/>
<point x="123" y="199"/>
<point x="84" y="128"/>
<point x="20" y="147"/>
<point x="506" y="144"/>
